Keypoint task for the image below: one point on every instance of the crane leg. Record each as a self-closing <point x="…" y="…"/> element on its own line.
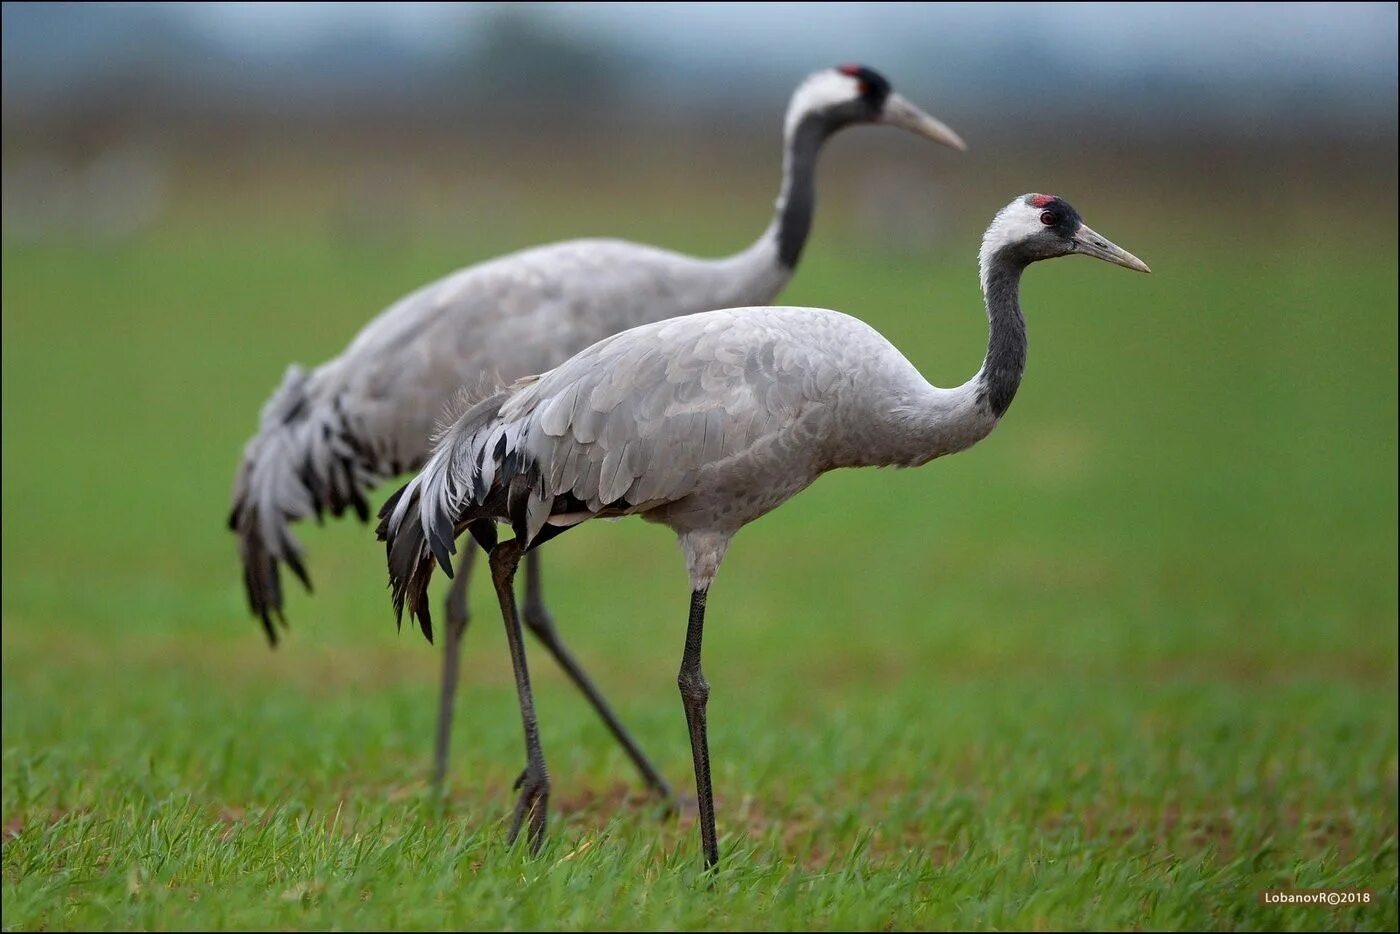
<point x="533" y="783"/>
<point x="541" y="622"/>
<point x="457" y="616"/>
<point x="695" y="694"/>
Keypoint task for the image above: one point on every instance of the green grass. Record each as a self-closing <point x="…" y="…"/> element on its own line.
<point x="1126" y="664"/>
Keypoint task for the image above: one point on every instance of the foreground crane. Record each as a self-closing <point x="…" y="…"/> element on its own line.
<point x="704" y="423"/>
<point x="328" y="437"/>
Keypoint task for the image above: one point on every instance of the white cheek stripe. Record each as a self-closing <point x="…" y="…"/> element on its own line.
<point x="818" y="92"/>
<point x="1015" y="222"/>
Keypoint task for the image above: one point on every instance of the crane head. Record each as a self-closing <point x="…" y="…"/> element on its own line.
<point x="1036" y="227"/>
<point x="848" y="95"/>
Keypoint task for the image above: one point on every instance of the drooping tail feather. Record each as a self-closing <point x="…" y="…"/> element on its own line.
<point x="303" y="460"/>
<point x="419" y="524"/>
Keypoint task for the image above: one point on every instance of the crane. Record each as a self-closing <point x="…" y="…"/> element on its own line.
<point x="327" y="437"/>
<point x="704" y="423"/>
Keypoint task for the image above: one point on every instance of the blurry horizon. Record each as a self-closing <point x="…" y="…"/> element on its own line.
<point x="381" y="120"/>
<point x="1294" y="64"/>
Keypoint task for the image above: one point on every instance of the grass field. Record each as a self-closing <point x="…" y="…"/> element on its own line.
<point x="1125" y="665"/>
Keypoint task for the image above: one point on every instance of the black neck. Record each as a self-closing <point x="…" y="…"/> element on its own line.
<point x="1006" y="339"/>
<point x="798" y="197"/>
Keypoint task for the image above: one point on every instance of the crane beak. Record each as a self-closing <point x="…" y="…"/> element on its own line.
<point x="899" y="112"/>
<point x="1088" y="242"/>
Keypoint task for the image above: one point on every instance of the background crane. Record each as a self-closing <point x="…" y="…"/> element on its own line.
<point x="705" y="423"/>
<point x="327" y="437"/>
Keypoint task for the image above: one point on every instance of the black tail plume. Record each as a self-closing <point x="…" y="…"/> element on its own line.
<point x="303" y="461"/>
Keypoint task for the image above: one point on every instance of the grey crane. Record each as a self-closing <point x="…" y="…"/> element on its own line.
<point x="329" y="436"/>
<point x="704" y="423"/>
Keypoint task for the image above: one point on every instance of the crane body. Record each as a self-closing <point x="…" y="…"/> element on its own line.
<point x="705" y="423"/>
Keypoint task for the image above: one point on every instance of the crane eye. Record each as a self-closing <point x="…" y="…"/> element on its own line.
<point x="1047" y="218"/>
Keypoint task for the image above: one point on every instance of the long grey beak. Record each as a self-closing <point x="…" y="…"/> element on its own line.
<point x="1091" y="244"/>
<point x="899" y="112"/>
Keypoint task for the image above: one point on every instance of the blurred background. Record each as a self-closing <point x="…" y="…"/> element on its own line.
<point x="382" y="120"/>
<point x="1188" y="518"/>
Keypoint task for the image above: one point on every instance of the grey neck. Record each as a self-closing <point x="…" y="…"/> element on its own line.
<point x="756" y="275"/>
<point x="1006" y="339"/>
<point x="792" y="220"/>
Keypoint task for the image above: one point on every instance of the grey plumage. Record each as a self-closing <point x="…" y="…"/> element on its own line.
<point x="705" y="423"/>
<point x="328" y="437"/>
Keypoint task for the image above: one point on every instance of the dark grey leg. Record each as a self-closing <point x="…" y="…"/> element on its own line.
<point x="534" y="781"/>
<point x="695" y="694"/>
<point x="541" y="623"/>
<point x="457" y="617"/>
